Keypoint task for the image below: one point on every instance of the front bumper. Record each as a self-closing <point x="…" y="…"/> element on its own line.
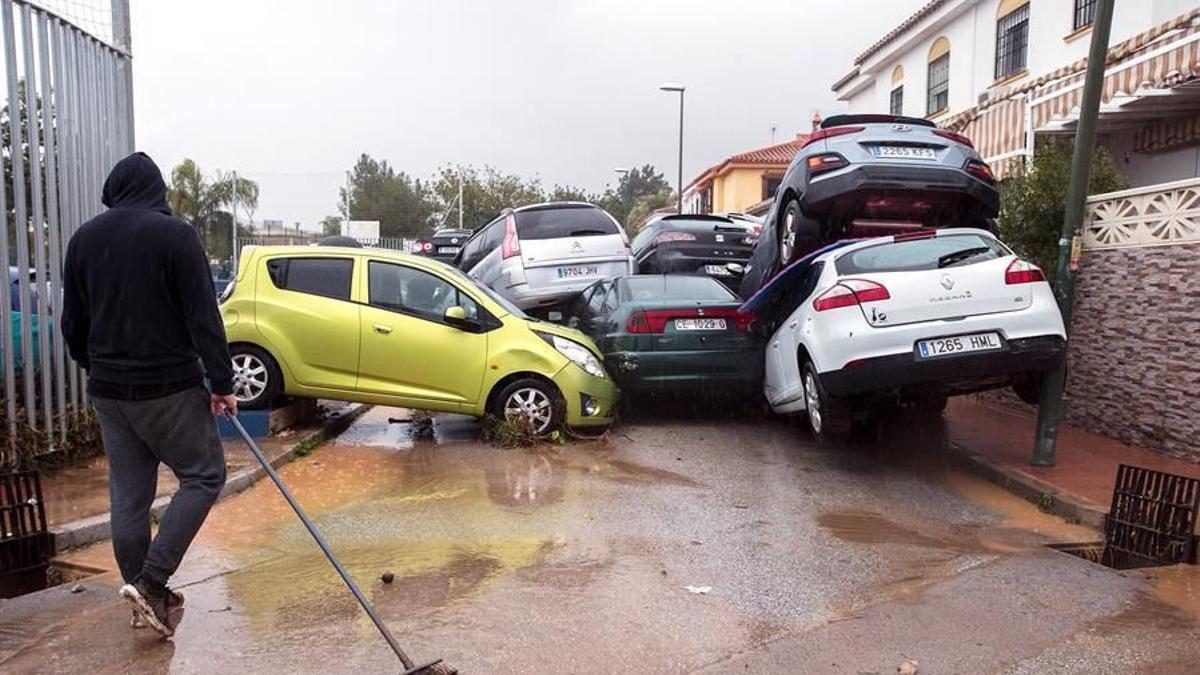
<point x="876" y="177"/>
<point x="950" y="374"/>
<point x="577" y="386"/>
<point x="687" y="370"/>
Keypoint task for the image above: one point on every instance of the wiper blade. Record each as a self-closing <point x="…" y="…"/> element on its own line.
<point x="959" y="256"/>
<point x="580" y="233"/>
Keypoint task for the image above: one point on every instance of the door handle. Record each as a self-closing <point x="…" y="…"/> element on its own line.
<point x="380" y="328"/>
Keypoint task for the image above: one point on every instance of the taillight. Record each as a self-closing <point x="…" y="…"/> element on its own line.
<point x="850" y="292"/>
<point x="419" y="247"/>
<point x="512" y="245"/>
<point x="957" y="138"/>
<point x="655" y="320"/>
<point x="821" y="134"/>
<point x="980" y="170"/>
<point x="672" y="237"/>
<point x="827" y="162"/>
<point x="1023" y="272"/>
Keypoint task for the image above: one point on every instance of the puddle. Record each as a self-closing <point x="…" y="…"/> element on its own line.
<point x="384" y="427"/>
<point x="630" y="473"/>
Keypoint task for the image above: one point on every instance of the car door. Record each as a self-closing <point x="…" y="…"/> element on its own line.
<point x="488" y="261"/>
<point x="306" y="315"/>
<point x="408" y="350"/>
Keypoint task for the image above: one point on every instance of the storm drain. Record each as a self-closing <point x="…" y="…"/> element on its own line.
<point x="1151" y="522"/>
<point x="26" y="544"/>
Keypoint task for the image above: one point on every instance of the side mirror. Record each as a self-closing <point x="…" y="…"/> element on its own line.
<point x="736" y="269"/>
<point x="457" y="316"/>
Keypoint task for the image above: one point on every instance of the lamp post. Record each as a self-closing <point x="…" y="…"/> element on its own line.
<point x="670" y="86"/>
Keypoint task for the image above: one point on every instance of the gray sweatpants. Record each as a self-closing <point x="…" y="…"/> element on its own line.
<point x="177" y="430"/>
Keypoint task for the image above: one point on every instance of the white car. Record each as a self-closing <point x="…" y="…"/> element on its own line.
<point x="911" y="318"/>
<point x="542" y="255"/>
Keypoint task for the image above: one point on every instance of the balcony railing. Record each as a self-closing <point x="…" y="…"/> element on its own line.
<point x="1156" y="215"/>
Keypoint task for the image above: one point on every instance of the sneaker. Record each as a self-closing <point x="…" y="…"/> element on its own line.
<point x="153" y="607"/>
<point x="174" y="603"/>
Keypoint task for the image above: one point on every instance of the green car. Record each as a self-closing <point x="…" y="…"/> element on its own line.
<point x="671" y="332"/>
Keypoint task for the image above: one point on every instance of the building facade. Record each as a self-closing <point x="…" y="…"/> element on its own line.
<point x="740" y="182"/>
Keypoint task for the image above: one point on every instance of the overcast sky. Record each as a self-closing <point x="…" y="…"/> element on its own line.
<point x="289" y="92"/>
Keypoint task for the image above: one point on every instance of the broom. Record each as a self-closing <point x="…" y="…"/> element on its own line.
<point x="432" y="668"/>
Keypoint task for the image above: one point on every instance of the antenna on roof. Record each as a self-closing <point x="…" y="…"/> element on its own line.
<point x="773" y="127"/>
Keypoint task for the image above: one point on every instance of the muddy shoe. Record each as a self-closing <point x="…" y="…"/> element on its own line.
<point x="152" y="606"/>
<point x="174" y="604"/>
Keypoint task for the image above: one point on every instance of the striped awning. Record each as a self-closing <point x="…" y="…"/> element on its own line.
<point x="1164" y="56"/>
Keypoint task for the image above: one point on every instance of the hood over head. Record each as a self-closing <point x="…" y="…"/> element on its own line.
<point x="136" y="183"/>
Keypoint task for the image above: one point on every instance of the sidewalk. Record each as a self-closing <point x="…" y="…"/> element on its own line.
<point x="997" y="442"/>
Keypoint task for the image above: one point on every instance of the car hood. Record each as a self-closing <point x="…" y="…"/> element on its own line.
<point x="564" y="332"/>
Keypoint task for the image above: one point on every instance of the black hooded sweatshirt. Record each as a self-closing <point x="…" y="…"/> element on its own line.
<point x="139" y="309"/>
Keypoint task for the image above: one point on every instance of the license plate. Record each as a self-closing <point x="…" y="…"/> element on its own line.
<point x="904" y="152"/>
<point x="717" y="270"/>
<point x="699" y="324"/>
<point x="962" y="344"/>
<point x="449" y="249"/>
<point x="578" y="271"/>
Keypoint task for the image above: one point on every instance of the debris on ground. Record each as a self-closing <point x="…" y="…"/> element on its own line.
<point x="909" y="667"/>
<point x="698" y="590"/>
<point x="387" y="577"/>
<point x="78" y="588"/>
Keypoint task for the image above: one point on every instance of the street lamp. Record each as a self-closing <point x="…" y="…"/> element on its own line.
<point x="671" y="86"/>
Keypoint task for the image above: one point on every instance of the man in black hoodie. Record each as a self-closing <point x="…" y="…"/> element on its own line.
<point x="140" y="314"/>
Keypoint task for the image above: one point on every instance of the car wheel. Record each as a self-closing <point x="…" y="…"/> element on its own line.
<point x="786" y="232"/>
<point x="540" y="403"/>
<point x="257" y="381"/>
<point x="828" y="416"/>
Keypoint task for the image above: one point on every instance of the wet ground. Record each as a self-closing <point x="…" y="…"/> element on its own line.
<point x="685" y="543"/>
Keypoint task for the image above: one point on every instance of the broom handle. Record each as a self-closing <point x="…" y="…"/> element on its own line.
<point x="312" y="529"/>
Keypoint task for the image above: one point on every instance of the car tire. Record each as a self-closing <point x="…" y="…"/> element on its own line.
<point x="540" y="400"/>
<point x="829" y="417"/>
<point x="257" y="380"/>
<point x="798" y="235"/>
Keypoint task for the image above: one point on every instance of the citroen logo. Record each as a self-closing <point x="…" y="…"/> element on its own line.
<point x="576" y="247"/>
<point x="947" y="282"/>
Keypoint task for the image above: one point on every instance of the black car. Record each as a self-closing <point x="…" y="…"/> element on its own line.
<point x="444" y="245"/>
<point x="872" y="175"/>
<point x="695" y="244"/>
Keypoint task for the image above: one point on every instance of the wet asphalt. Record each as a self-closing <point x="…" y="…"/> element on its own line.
<point x="712" y="540"/>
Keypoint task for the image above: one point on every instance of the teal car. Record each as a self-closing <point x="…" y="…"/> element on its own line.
<point x="661" y="332"/>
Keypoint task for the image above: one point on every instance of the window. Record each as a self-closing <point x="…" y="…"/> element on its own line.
<point x="552" y="222"/>
<point x="327" y="277"/>
<point x="596" y="302"/>
<point x="1012" y="41"/>
<point x="770" y="184"/>
<point x="674" y="287"/>
<point x="411" y="291"/>
<point x="897" y="103"/>
<point x="1085" y="13"/>
<point x="939" y="84"/>
<point x="922" y="254"/>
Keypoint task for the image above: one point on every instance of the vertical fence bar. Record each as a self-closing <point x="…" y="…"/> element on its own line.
<point x="33" y="99"/>
<point x="63" y="40"/>
<point x="51" y="104"/>
<point x="9" y="365"/>
<point x="20" y="204"/>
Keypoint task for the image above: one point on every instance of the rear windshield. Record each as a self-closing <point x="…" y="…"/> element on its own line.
<point x="922" y="254"/>
<point x="552" y="223"/>
<point x="641" y="289"/>
<point x="704" y="224"/>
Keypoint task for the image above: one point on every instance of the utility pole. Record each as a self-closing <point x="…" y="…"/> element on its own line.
<point x="1051" y="409"/>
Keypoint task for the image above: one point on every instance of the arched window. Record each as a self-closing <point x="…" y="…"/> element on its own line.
<point x="896" y="105"/>
<point x="1012" y="37"/>
<point x="939" y="77"/>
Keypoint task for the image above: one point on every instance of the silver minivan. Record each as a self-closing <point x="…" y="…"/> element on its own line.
<point x="542" y="255"/>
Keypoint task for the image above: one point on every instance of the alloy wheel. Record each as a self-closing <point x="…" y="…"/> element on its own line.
<point x="249" y="377"/>
<point x="787" y="239"/>
<point x="812" y="401"/>
<point x="534" y="405"/>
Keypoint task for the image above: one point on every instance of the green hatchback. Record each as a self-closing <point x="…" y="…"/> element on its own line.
<point x="671" y="332"/>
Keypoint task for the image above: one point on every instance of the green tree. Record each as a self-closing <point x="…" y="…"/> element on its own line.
<point x="331" y="225"/>
<point x="635" y="184"/>
<point x="485" y="191"/>
<point x="644" y="207"/>
<point x="1033" y="203"/>
<point x="207" y="205"/>
<point x="375" y="191"/>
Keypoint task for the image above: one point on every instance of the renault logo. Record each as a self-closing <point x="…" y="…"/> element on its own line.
<point x="947" y="282"/>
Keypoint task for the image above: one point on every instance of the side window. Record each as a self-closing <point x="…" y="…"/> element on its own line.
<point x="610" y="302"/>
<point x="493" y="236"/>
<point x="579" y="308"/>
<point x="642" y="239"/>
<point x="596" y="302"/>
<point x="327" y="277"/>
<point x="412" y="291"/>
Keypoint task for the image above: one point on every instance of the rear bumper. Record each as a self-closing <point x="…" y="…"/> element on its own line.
<point x="537" y="287"/>
<point x="954" y="374"/>
<point x="877" y="177"/>
<point x="722" y="369"/>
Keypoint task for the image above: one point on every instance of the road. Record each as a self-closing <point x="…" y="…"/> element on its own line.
<point x="579" y="559"/>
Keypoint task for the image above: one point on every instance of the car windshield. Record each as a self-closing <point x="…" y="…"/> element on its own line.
<point x="704" y="224"/>
<point x="563" y="221"/>
<point x="930" y="253"/>
<point x="496" y="297"/>
<point x="666" y="287"/>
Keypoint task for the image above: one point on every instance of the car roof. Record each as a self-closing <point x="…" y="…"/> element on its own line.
<point x="540" y="206"/>
<point x="346" y="251"/>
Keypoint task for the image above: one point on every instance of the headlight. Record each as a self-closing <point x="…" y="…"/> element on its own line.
<point x="577" y="353"/>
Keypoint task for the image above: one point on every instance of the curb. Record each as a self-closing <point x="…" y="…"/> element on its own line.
<point x="98" y="528"/>
<point x="1045" y="496"/>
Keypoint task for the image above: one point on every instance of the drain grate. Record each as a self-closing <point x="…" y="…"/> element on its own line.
<point x="26" y="544"/>
<point x="1151" y="522"/>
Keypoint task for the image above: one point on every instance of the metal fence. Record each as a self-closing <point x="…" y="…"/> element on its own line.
<point x="68" y="118"/>
<point x="390" y="243"/>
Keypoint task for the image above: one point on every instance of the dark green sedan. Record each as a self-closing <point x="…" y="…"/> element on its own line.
<point x="670" y="332"/>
